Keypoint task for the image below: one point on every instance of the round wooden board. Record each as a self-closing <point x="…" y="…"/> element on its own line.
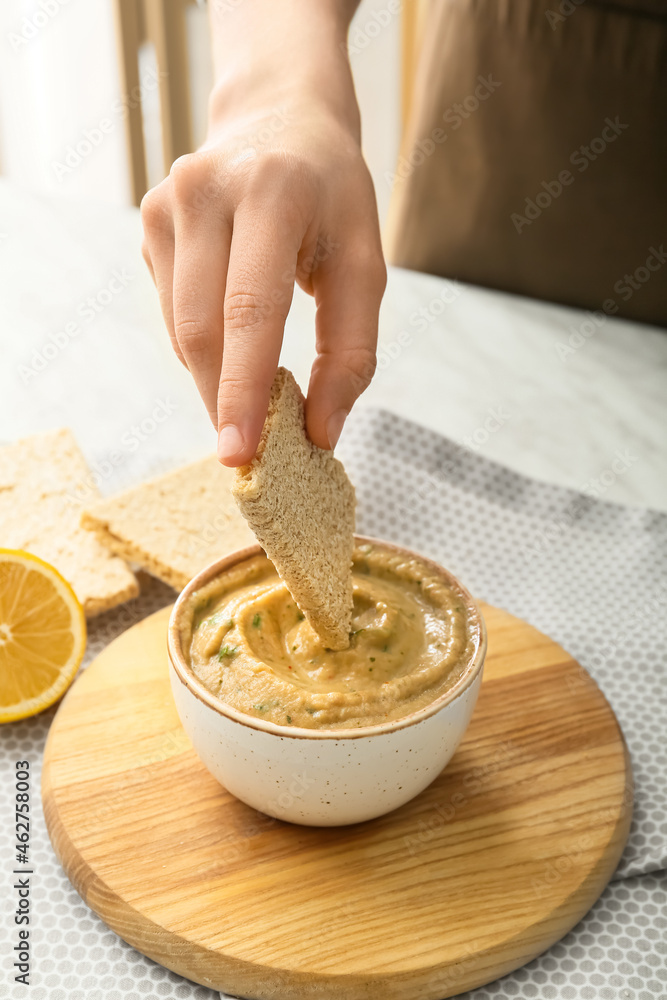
<point x="489" y="866"/>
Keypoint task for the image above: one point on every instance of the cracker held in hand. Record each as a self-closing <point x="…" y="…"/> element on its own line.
<point x="173" y="525"/>
<point x="298" y="500"/>
<point x="42" y="479"/>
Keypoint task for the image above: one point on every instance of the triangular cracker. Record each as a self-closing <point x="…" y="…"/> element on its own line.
<point x="300" y="504"/>
<point x="42" y="480"/>
<point x="173" y="525"/>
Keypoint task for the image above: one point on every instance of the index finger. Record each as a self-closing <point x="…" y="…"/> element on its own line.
<point x="260" y="286"/>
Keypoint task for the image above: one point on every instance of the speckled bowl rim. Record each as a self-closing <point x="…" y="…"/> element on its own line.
<point x="189" y="679"/>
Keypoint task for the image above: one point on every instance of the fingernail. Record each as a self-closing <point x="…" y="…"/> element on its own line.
<point x="335" y="426"/>
<point x="230" y="442"/>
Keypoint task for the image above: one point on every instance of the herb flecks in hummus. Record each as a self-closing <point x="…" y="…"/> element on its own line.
<point x="412" y="637"/>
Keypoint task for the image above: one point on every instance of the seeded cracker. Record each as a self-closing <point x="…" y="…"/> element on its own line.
<point x="42" y="479"/>
<point x="300" y="504"/>
<point x="173" y="525"/>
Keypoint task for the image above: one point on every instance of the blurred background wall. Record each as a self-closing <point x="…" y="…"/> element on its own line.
<point x="59" y="80"/>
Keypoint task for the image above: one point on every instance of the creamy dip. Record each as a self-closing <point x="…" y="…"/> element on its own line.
<point x="413" y="635"/>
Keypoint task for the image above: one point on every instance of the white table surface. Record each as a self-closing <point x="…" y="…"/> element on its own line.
<point x="476" y="357"/>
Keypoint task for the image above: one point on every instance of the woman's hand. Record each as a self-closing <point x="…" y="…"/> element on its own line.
<point x="278" y="192"/>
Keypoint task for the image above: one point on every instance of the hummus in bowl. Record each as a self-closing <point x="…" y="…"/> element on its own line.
<point x="413" y="635"/>
<point x="263" y="699"/>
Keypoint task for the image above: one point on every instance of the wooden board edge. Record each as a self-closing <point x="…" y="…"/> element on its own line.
<point x="562" y="920"/>
<point x="222" y="972"/>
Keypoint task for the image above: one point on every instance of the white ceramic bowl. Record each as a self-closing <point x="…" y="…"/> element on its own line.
<point x="321" y="777"/>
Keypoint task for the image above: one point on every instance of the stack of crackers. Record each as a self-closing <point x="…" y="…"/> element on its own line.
<point x="41" y="479"/>
<point x="294" y="498"/>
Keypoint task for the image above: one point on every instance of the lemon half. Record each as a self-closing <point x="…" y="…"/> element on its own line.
<point x="42" y="635"/>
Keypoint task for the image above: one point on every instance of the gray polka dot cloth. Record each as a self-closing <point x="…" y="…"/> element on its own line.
<point x="556" y="558"/>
